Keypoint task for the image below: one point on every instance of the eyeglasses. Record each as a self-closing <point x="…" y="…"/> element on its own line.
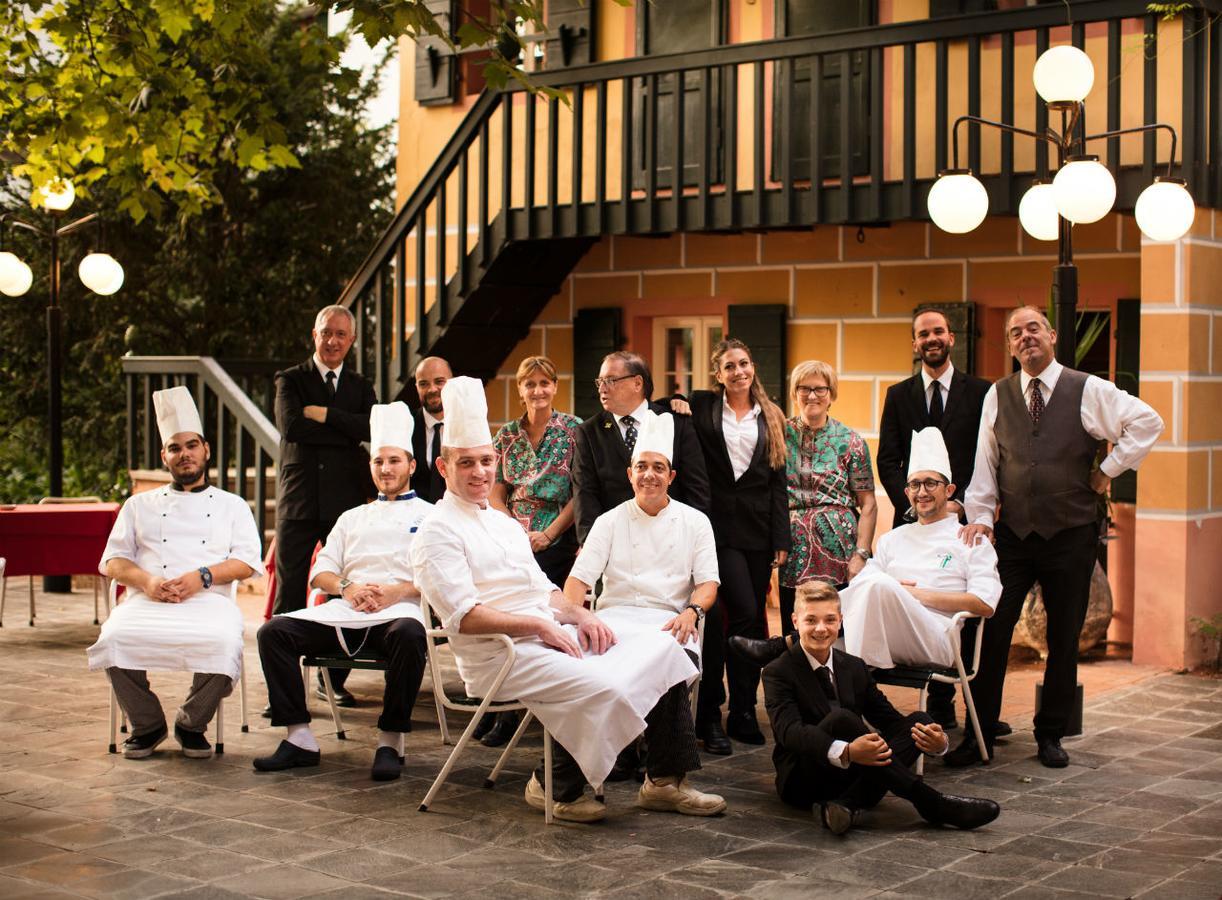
<point x="600" y="383"/>
<point x="820" y="391"/>
<point x="930" y="484"/>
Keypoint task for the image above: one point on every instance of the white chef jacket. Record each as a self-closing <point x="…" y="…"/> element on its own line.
<point x="884" y="624"/>
<point x="649" y="564"/>
<point x="168" y="533"/>
<point x="740" y="435"/>
<point x="1108" y="414"/>
<point x="465" y="555"/>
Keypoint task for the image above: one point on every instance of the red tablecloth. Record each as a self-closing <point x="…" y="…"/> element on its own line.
<point x="55" y="539"/>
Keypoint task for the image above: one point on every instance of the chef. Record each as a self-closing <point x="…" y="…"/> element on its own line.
<point x="176" y="549"/>
<point x="375" y="611"/>
<point x="594" y="693"/>
<point x="899" y="607"/>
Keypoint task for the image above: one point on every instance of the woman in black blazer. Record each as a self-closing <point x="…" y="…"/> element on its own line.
<point x="742" y="434"/>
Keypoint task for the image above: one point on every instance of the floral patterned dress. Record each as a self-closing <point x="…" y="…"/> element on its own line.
<point x="539" y="481"/>
<point x="823" y="468"/>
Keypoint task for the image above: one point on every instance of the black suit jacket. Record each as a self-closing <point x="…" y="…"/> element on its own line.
<point x="752" y="512"/>
<point x="426" y="480"/>
<point x="904" y="412"/>
<point x="796" y="705"/>
<point x="600" y="468"/>
<point x="323" y="468"/>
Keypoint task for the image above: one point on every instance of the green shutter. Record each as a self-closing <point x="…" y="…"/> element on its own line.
<point x="596" y="332"/>
<point x="763" y="328"/>
<point x="436" y="64"/>
<point x="570" y="41"/>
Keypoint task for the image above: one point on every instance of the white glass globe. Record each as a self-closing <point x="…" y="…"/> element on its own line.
<point x="957" y="202"/>
<point x="57" y="195"/>
<point x="1084" y="190"/>
<point x="15" y="276"/>
<point x="1063" y="75"/>
<point x="1165" y="210"/>
<point x="101" y="273"/>
<point x="1037" y="212"/>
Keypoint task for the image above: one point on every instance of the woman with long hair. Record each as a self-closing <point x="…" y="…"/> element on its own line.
<point x="742" y="434"/>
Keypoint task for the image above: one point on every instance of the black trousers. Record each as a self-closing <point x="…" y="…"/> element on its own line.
<point x="740" y="610"/>
<point x="295" y="542"/>
<point x="670" y="747"/>
<point x="1063" y="566"/>
<point x="858" y="787"/>
<point x="557" y="560"/>
<point x="283" y="641"/>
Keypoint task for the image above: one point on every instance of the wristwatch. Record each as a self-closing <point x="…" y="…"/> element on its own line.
<point x="698" y="610"/>
<point x="863" y="552"/>
<point x="343" y="585"/>
<point x="206" y="575"/>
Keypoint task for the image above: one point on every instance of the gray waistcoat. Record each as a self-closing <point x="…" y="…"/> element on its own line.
<point x="1043" y="472"/>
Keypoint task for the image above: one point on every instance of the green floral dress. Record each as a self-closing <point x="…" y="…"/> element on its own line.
<point x="539" y="481"/>
<point x="823" y="469"/>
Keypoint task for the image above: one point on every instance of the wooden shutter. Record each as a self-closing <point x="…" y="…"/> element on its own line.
<point x="763" y="328"/>
<point x="570" y="40"/>
<point x="596" y="332"/>
<point x="436" y="65"/>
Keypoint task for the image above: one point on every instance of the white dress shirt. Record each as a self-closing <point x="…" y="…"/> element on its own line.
<point x="740" y="435"/>
<point x="430" y="425"/>
<point x="323" y="370"/>
<point x="943" y="380"/>
<point x="638" y="416"/>
<point x="1108" y="414"/>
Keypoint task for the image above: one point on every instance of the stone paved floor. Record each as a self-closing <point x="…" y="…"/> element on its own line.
<point x="1139" y="813"/>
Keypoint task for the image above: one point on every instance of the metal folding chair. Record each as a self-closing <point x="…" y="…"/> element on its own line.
<point x="919" y="677"/>
<point x="118" y="719"/>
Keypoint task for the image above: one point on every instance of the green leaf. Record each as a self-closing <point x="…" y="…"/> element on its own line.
<point x="248" y="147"/>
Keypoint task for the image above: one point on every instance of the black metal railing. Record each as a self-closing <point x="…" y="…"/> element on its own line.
<point x="245" y="444"/>
<point x="767" y="135"/>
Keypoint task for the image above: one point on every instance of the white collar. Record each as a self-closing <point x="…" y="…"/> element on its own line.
<point x="634" y="510"/>
<point x="323" y="370"/>
<point x="1048" y="378"/>
<point x="943" y="379"/>
<point x="726" y="408"/>
<point x="816" y="665"/>
<point x="429" y="420"/>
<point x="637" y="414"/>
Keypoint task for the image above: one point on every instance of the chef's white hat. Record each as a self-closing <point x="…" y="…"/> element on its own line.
<point x="656" y="434"/>
<point x="176" y="413"/>
<point x="466" y="422"/>
<point x="391" y="425"/>
<point x="928" y="453"/>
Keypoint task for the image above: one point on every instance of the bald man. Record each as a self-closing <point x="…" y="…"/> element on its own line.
<point x="431" y="375"/>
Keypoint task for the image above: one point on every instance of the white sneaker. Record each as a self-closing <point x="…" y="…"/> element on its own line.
<point x="583" y="809"/>
<point x="674" y="794"/>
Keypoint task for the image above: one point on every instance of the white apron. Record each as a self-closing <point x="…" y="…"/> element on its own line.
<point x="201" y="634"/>
<point x="339" y="614"/>
<point x="885" y="625"/>
<point x="628" y="621"/>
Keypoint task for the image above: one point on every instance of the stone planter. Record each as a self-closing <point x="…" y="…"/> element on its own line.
<point x="1033" y="623"/>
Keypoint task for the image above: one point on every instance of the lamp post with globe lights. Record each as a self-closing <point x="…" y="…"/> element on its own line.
<point x="1082" y="190"/>
<point x="100" y="272"/>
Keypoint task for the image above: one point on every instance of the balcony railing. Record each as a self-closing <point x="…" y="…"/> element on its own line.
<point x="848" y="127"/>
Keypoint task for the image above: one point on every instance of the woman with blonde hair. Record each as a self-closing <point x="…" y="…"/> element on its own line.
<point x="832" y="511"/>
<point x="742" y="434"/>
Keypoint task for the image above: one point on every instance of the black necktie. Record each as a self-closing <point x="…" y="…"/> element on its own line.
<point x="435" y="449"/>
<point x="935" y="406"/>
<point x="629" y="432"/>
<point x="331" y="385"/>
<point x="824" y="674"/>
<point x="1037" y="402"/>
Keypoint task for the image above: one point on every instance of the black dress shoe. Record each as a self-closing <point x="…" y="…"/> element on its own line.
<point x="1001" y="729"/>
<point x="194" y="744"/>
<point x="387" y="764"/>
<point x="837" y="818"/>
<point x="714" y="738"/>
<point x="267" y="711"/>
<point x="502" y="731"/>
<point x="486" y="721"/>
<point x="1051" y="753"/>
<point x="138" y="746"/>
<point x="342" y="696"/>
<point x="966" y="754"/>
<point x="287" y="756"/>
<point x="743" y="727"/>
<point x="756" y="651"/>
<point x="960" y="812"/>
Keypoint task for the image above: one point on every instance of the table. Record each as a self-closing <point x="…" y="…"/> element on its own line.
<point x="54" y="538"/>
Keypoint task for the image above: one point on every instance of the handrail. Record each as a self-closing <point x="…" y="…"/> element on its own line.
<point x="248" y="415"/>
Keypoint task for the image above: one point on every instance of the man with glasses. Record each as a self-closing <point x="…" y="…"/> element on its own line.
<point x="899" y="607"/>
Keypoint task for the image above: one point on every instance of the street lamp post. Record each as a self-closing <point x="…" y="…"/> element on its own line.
<point x="99" y="272"/>
<point x="1083" y="190"/>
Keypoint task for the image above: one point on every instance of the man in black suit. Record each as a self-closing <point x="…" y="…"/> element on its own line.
<point x="949" y="400"/>
<point x="432" y="373"/>
<point x="825" y="754"/>
<point x="322" y="411"/>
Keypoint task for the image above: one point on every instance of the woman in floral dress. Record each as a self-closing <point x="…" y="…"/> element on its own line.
<point x="832" y="510"/>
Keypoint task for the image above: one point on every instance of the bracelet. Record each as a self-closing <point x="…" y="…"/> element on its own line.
<point x="550" y="540"/>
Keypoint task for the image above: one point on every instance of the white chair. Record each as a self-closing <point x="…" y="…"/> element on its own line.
<point x="97" y="579"/>
<point x="919" y="677"/>
<point x="477" y="707"/>
<point x="117" y="715"/>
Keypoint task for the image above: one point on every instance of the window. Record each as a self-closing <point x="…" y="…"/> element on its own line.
<point x="682" y="346"/>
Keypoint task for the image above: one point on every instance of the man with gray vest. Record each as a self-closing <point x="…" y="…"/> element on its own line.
<point x="1040" y="434"/>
